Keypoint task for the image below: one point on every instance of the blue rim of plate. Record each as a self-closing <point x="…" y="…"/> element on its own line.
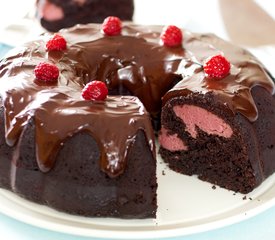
<point x="4" y="48"/>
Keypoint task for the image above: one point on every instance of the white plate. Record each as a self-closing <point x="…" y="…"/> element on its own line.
<point x="186" y="205"/>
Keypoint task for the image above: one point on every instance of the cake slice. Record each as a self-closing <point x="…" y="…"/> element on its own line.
<point x="57" y="14"/>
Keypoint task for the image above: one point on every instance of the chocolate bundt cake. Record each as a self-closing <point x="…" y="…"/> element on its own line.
<point x="56" y="14"/>
<point x="97" y="158"/>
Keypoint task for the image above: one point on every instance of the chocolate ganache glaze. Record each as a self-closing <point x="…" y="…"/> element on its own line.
<point x="133" y="63"/>
<point x="233" y="90"/>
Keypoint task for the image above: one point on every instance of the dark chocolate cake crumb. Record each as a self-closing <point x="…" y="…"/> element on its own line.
<point x="244" y="198"/>
<point x="214" y="187"/>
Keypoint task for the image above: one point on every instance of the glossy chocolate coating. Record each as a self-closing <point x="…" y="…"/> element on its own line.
<point x="133" y="63"/>
<point x="235" y="89"/>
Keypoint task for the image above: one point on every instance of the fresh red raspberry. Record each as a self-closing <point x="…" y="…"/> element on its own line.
<point x="57" y="43"/>
<point x="95" y="90"/>
<point x="112" y="26"/>
<point x="46" y="72"/>
<point x="171" y="36"/>
<point x="217" y="67"/>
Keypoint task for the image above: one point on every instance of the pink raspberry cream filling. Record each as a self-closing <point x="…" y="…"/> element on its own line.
<point x="171" y="142"/>
<point x="50" y="11"/>
<point x="208" y="122"/>
<point x="194" y="116"/>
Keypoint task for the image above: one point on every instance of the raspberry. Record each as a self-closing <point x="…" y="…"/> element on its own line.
<point x="46" y="72"/>
<point x="171" y="36"/>
<point x="57" y="43"/>
<point x="95" y="90"/>
<point x="217" y="67"/>
<point x="112" y="26"/>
